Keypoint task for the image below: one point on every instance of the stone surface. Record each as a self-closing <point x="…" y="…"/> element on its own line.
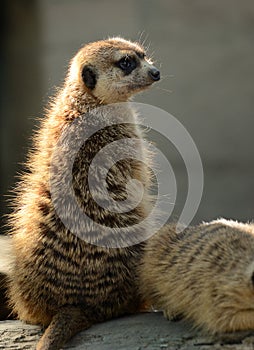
<point x="139" y="332"/>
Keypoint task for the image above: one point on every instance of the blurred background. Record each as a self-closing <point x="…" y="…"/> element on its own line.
<point x="205" y="50"/>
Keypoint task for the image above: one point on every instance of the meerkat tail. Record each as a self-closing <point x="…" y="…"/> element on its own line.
<point x="64" y="325"/>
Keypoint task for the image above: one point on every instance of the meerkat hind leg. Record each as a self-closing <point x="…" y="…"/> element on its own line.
<point x="171" y="315"/>
<point x="242" y="321"/>
<point x="64" y="325"/>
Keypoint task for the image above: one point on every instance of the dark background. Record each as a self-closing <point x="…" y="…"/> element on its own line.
<point x="205" y="50"/>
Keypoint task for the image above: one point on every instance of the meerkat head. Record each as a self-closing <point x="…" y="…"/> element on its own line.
<point x="112" y="70"/>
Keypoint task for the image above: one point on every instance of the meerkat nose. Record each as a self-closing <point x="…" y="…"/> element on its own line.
<point x="154" y="73"/>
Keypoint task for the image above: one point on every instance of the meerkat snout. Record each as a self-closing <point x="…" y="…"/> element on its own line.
<point x="154" y="73"/>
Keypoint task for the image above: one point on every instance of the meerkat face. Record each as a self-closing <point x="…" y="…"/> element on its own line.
<point x="113" y="70"/>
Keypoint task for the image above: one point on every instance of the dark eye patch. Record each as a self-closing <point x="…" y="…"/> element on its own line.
<point x="89" y="77"/>
<point x="127" y="64"/>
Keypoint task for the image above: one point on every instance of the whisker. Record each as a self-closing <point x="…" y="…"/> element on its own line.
<point x="169" y="76"/>
<point x="141" y="40"/>
<point x="164" y="90"/>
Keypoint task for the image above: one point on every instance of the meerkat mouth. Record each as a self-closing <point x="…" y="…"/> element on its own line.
<point x="140" y="86"/>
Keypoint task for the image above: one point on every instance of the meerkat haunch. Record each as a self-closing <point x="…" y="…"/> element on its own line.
<point x="205" y="274"/>
<point x="59" y="280"/>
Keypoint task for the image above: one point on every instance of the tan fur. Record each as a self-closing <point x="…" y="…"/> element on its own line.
<point x="205" y="274"/>
<point x="59" y="280"/>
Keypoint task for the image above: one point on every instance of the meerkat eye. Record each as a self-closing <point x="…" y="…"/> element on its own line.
<point x="127" y="64"/>
<point x="141" y="55"/>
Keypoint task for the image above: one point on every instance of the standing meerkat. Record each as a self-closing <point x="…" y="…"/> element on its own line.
<point x="204" y="273"/>
<point x="59" y="280"/>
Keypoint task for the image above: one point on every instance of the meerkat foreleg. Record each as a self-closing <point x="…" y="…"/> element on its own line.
<point x="64" y="325"/>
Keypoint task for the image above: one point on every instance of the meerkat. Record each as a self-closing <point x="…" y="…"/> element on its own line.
<point x="5" y="261"/>
<point x="204" y="273"/>
<point x="5" y="310"/>
<point x="59" y="280"/>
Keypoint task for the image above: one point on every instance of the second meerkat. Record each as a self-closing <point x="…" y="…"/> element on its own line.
<point x="59" y="280"/>
<point x="204" y="273"/>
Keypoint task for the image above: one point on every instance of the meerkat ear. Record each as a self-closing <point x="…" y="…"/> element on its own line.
<point x="252" y="278"/>
<point x="89" y="77"/>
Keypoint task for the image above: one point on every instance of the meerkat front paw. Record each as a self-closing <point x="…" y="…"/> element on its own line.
<point x="234" y="337"/>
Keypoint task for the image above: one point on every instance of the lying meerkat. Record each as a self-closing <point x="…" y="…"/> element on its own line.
<point x="204" y="273"/>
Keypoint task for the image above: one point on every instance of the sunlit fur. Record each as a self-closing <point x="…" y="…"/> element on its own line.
<point x="57" y="279"/>
<point x="204" y="274"/>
